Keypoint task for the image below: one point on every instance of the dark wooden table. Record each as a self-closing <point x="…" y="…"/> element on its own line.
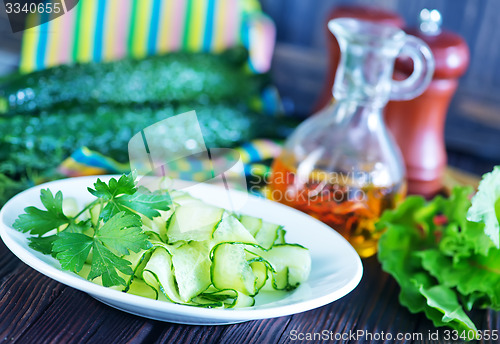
<point x="37" y="309"/>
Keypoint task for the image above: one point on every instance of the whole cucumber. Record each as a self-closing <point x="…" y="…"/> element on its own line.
<point x="172" y="78"/>
<point x="40" y="143"/>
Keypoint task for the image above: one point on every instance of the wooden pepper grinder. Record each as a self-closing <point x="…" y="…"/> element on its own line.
<point x="371" y="14"/>
<point x="418" y="124"/>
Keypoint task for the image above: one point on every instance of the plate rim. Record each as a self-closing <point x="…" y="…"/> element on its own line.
<point x="236" y="315"/>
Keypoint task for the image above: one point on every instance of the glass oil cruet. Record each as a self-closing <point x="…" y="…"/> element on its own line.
<point x="341" y="165"/>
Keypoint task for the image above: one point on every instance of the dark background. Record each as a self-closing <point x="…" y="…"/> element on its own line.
<point x="473" y="122"/>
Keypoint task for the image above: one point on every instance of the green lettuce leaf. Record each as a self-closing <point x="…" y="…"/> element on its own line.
<point x="423" y="239"/>
<point x="451" y="313"/>
<point x="478" y="275"/>
<point x="486" y="205"/>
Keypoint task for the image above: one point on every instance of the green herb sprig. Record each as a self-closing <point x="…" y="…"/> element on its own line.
<point x="116" y="230"/>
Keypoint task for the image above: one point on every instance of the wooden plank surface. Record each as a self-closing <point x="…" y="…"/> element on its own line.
<point x="36" y="309"/>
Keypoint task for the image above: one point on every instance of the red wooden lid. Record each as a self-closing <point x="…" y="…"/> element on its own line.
<point x="451" y="53"/>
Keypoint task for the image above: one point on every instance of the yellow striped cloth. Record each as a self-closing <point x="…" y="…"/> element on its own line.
<point x="254" y="155"/>
<point x="105" y="30"/>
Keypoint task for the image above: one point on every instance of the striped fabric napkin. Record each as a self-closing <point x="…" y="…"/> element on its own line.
<point x="255" y="155"/>
<point x="105" y="30"/>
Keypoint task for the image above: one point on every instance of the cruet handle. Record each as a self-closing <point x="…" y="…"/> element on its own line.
<point x="423" y="69"/>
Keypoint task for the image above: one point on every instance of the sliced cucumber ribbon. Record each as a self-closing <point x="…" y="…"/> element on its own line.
<point x="203" y="256"/>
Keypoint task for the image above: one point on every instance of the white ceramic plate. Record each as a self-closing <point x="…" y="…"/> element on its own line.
<point x="336" y="267"/>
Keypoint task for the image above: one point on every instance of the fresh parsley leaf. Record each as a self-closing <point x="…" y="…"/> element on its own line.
<point x="118" y="236"/>
<point x="118" y="232"/>
<point x="42" y="244"/>
<point x="38" y="221"/>
<point x="123" y="233"/>
<point x="122" y="195"/>
<point x="77" y="227"/>
<point x="124" y="185"/>
<point x="146" y="202"/>
<point x="72" y="250"/>
<point x="105" y="263"/>
<point x="486" y="205"/>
